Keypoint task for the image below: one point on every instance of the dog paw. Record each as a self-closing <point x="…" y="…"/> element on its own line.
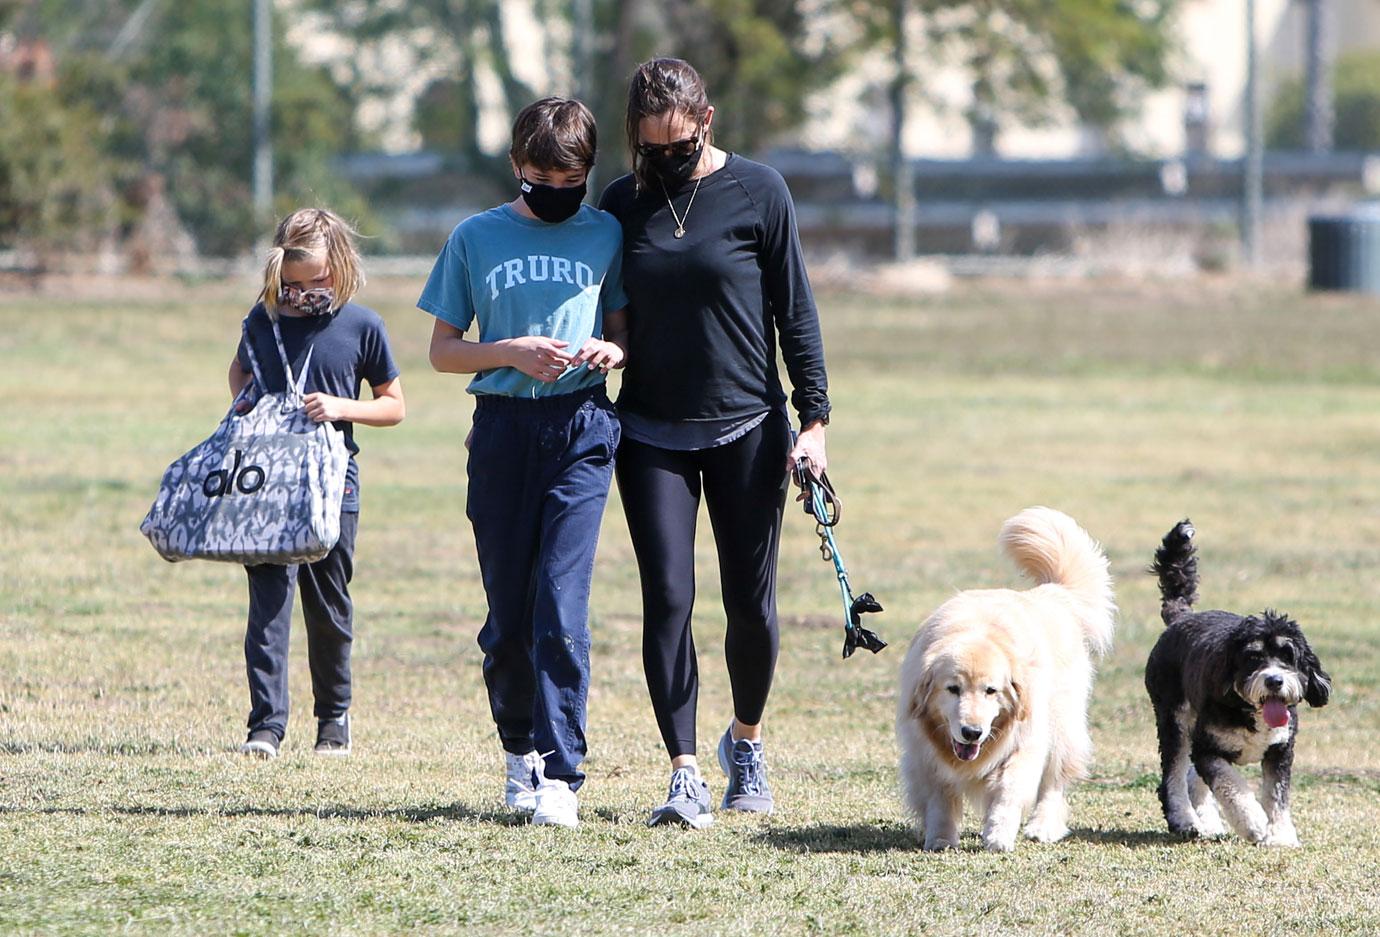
<point x="1046" y="832"/>
<point x="999" y="843"/>
<point x="1285" y="838"/>
<point x="1210" y="828"/>
<point x="1184" y="829"/>
<point x="1209" y="823"/>
<point x="939" y="845"/>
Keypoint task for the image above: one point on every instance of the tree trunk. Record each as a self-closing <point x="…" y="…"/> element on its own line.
<point x="516" y="94"/>
<point x="1317" y="104"/>
<point x="903" y="183"/>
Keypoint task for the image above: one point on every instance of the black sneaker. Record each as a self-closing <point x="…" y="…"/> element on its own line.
<point x="262" y="743"/>
<point x="333" y="736"/>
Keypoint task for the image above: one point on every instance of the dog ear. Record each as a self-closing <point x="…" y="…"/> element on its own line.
<point x="1319" y="687"/>
<point x="1020" y="702"/>
<point x="1209" y="670"/>
<point x="920" y="698"/>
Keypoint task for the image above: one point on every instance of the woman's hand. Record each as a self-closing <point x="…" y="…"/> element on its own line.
<point x="537" y="356"/>
<point x="809" y="445"/>
<point x="598" y="354"/>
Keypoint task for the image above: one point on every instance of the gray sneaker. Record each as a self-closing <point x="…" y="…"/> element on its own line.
<point x="687" y="802"/>
<point x="746" y="767"/>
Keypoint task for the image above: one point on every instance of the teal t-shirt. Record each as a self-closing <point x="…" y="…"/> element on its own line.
<point x="519" y="276"/>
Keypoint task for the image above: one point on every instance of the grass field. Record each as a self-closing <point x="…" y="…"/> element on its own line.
<point x="123" y="806"/>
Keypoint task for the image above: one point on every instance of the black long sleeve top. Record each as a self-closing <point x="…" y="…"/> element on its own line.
<point x="705" y="310"/>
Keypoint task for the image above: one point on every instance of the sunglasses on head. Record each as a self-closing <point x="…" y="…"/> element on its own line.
<point x="674" y="148"/>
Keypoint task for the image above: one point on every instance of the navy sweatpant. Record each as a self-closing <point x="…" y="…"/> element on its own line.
<point x="329" y="615"/>
<point x="539" y="473"/>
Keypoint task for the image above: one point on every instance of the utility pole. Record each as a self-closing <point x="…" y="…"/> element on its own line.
<point x="903" y="180"/>
<point x="1317" y="101"/>
<point x="582" y="62"/>
<point x="1252" y="176"/>
<point x="263" y="98"/>
<point x="581" y="53"/>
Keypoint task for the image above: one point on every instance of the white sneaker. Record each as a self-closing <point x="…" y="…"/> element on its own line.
<point x="524" y="774"/>
<point x="556" y="805"/>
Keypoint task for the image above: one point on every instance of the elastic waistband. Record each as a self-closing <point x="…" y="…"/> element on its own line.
<point x="557" y="405"/>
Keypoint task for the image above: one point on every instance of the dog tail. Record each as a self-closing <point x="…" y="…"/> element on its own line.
<point x="1176" y="565"/>
<point x="1049" y="547"/>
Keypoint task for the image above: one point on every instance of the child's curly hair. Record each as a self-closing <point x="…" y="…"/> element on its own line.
<point x="308" y="233"/>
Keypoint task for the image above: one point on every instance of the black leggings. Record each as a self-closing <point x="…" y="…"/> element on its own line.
<point x="744" y="485"/>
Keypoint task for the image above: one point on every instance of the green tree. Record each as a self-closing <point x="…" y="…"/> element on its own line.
<point x="757" y="57"/>
<point x="56" y="186"/>
<point x="169" y="85"/>
<point x="758" y="60"/>
<point x="465" y="37"/>
<point x="189" y="95"/>
<point x="1028" y="59"/>
<point x="1356" y="95"/>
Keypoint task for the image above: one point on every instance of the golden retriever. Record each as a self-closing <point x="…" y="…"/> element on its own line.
<point x="994" y="690"/>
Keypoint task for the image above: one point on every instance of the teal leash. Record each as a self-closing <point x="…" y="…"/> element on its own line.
<point x="826" y="508"/>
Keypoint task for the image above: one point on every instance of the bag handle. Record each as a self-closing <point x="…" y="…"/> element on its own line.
<point x="296" y="385"/>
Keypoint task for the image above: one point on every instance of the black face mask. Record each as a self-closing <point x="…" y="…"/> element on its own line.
<point x="551" y="204"/>
<point x="675" y="170"/>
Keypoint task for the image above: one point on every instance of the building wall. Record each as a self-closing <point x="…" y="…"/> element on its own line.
<point x="854" y="116"/>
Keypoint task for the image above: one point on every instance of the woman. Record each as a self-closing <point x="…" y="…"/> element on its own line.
<point x="714" y="275"/>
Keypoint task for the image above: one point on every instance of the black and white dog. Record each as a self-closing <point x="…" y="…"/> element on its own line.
<point x="1225" y="690"/>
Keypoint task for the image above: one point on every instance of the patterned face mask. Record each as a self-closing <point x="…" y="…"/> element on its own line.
<point x="316" y="302"/>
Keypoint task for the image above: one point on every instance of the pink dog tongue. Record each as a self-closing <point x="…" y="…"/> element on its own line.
<point x="966" y="751"/>
<point x="1276" y="713"/>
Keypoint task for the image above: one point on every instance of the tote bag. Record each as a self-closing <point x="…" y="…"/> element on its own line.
<point x="265" y="487"/>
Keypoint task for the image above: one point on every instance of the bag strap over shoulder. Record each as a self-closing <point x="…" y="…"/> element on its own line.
<point x="296" y="385"/>
<point x="253" y="358"/>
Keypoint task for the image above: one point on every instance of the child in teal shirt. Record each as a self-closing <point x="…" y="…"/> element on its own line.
<point x="541" y="277"/>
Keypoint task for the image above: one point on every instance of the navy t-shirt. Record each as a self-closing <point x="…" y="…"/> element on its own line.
<point x="350" y="347"/>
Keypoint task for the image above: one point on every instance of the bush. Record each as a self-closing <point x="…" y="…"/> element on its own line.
<point x="1356" y="91"/>
<point x="173" y="113"/>
<point x="56" y="186"/>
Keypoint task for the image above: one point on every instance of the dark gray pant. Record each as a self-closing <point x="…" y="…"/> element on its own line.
<point x="329" y="614"/>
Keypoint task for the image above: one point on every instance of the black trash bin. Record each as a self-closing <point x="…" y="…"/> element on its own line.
<point x="1344" y="250"/>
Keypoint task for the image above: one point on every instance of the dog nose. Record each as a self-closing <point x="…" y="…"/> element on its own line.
<point x="1273" y="681"/>
<point x="970" y="734"/>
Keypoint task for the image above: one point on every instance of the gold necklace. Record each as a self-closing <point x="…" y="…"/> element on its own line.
<point x="680" y="219"/>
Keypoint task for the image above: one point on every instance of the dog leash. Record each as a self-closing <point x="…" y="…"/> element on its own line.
<point x="824" y="505"/>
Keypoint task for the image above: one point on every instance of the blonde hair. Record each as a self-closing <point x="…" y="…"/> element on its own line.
<point x="308" y="233"/>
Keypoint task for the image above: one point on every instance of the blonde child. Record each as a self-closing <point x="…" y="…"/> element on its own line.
<point x="312" y="274"/>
